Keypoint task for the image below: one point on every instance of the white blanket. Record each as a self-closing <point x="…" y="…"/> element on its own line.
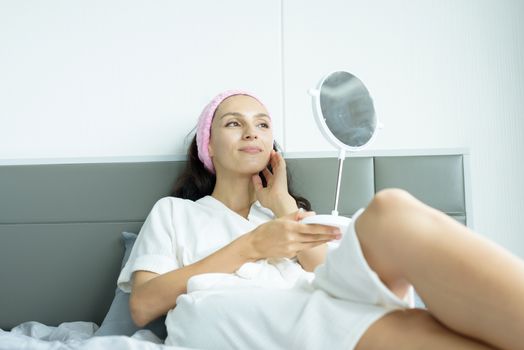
<point x="75" y="336"/>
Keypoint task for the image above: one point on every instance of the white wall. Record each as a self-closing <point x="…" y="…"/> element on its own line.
<point x="442" y="74"/>
<point x="117" y="78"/>
<point x="114" y="78"/>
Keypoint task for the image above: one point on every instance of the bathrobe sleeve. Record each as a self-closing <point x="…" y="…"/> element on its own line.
<point x="154" y="249"/>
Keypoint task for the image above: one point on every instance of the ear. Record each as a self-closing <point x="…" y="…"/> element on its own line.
<point x="210" y="150"/>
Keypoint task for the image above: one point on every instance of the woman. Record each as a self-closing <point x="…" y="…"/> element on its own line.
<point x="232" y="266"/>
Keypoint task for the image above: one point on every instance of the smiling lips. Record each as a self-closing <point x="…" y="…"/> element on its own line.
<point x="250" y="149"/>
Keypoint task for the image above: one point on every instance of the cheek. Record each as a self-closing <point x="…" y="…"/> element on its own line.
<point x="218" y="144"/>
<point x="268" y="140"/>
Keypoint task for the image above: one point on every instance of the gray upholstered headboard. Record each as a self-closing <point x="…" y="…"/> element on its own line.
<point x="60" y="224"/>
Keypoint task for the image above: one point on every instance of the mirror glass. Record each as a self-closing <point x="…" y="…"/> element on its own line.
<point x="347" y="109"/>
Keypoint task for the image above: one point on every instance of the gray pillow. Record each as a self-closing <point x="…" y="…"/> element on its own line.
<point x="118" y="320"/>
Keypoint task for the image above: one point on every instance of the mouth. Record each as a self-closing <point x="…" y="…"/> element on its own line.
<point x="251" y="149"/>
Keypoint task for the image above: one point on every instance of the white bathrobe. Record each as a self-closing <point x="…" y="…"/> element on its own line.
<point x="268" y="304"/>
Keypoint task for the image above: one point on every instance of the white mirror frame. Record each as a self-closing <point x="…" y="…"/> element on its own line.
<point x="324" y="129"/>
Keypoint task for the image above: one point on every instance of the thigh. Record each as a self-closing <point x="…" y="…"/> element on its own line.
<point x="414" y="329"/>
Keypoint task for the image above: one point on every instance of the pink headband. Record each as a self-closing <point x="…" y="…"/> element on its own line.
<point x="203" y="132"/>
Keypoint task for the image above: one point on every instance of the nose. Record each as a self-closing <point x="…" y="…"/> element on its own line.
<point x="250" y="133"/>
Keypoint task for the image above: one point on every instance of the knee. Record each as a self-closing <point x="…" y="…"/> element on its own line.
<point x="387" y="200"/>
<point x="381" y="213"/>
<point x="393" y="212"/>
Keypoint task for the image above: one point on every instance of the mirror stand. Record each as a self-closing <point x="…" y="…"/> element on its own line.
<point x="341" y="157"/>
<point x="345" y="115"/>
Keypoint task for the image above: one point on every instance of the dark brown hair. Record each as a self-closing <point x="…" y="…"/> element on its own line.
<point x="196" y="181"/>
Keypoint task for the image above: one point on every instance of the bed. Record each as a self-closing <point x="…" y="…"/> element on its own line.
<point x="64" y="228"/>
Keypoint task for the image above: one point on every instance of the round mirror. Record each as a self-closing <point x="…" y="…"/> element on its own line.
<point x="344" y="111"/>
<point x="346" y="117"/>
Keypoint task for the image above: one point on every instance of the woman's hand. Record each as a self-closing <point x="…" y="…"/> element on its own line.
<point x="285" y="237"/>
<point x="275" y="195"/>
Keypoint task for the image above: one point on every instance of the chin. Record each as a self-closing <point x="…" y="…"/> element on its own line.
<point x="250" y="168"/>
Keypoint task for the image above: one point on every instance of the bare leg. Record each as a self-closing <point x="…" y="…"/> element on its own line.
<point x="414" y="329"/>
<point x="471" y="285"/>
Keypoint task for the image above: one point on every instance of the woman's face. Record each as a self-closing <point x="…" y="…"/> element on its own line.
<point x="241" y="136"/>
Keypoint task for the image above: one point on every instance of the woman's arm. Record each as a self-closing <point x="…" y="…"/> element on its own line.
<point x="152" y="295"/>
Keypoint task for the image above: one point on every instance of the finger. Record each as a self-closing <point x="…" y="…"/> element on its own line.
<point x="301" y="213"/>
<point x="317" y="228"/>
<point x="280" y="165"/>
<point x="257" y="182"/>
<point x="313" y="232"/>
<point x="278" y="159"/>
<point x="267" y="174"/>
<point x="305" y="246"/>
<point x="317" y="237"/>
<point x="272" y="158"/>
<point x="298" y="215"/>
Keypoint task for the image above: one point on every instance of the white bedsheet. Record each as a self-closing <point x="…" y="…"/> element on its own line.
<point x="74" y="336"/>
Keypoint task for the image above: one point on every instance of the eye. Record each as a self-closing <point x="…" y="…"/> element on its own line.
<point x="264" y="125"/>
<point x="232" y="123"/>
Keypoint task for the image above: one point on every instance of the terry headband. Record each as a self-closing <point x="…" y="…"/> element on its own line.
<point x="203" y="132"/>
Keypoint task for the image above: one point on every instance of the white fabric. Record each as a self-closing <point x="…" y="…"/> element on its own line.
<point x="263" y="305"/>
<point x="354" y="284"/>
<point x="75" y="335"/>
